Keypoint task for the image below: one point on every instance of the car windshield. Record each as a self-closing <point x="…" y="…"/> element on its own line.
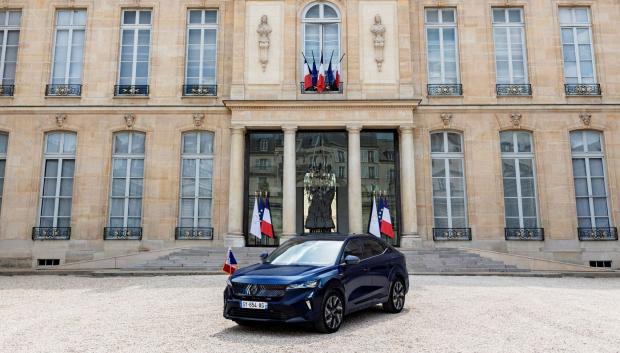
<point x="309" y="253"/>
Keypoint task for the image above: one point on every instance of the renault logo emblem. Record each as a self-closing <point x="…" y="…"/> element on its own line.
<point x="251" y="289"/>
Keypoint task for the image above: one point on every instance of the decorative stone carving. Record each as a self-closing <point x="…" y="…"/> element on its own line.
<point x="446" y="118"/>
<point x="60" y="119"/>
<point x="516" y="119"/>
<point x="264" y="41"/>
<point x="199" y="119"/>
<point x="130" y="120"/>
<point x="378" y="31"/>
<point x="586" y="118"/>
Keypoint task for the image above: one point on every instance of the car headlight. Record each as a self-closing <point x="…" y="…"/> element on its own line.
<point x="304" y="285"/>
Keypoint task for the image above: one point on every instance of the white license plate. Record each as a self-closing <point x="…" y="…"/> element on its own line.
<point x="254" y="305"/>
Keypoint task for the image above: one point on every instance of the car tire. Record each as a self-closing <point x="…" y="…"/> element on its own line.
<point x="332" y="313"/>
<point x="396" y="299"/>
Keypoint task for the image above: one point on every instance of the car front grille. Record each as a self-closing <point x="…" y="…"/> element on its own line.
<point x="259" y="290"/>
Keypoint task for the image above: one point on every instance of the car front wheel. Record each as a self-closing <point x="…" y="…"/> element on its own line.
<point x="332" y="313"/>
<point x="396" y="300"/>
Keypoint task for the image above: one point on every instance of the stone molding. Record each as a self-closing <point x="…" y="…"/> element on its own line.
<point x="320" y="105"/>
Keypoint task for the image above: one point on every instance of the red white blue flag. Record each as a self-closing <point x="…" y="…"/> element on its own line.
<point x="386" y="220"/>
<point x="230" y="265"/>
<point x="373" y="226"/>
<point x="307" y="76"/>
<point x="320" y="84"/>
<point x="255" y="223"/>
<point x="266" y="227"/>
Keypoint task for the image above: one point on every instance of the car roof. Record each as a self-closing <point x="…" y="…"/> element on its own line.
<point x="329" y="236"/>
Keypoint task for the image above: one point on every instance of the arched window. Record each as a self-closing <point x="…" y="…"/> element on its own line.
<point x="449" y="197"/>
<point x="519" y="176"/>
<point x="321" y="28"/>
<point x="593" y="214"/>
<point x="125" y="215"/>
<point x="57" y="186"/>
<point x="195" y="215"/>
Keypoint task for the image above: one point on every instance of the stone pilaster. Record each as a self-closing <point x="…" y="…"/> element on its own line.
<point x="234" y="237"/>
<point x="289" y="203"/>
<point x="355" y="180"/>
<point x="409" y="227"/>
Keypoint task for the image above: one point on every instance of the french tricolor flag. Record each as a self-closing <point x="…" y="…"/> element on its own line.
<point x="266" y="227"/>
<point x="230" y="265"/>
<point x="307" y="76"/>
<point x="320" y="84"/>
<point x="386" y="220"/>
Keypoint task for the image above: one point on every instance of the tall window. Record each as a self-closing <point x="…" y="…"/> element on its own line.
<point x="589" y="177"/>
<point x="195" y="217"/>
<point x="518" y="170"/>
<point x="577" y="46"/>
<point x="9" y="41"/>
<point x="449" y="206"/>
<point x="68" y="52"/>
<point x="127" y="182"/>
<point x="509" y="40"/>
<point x="4" y="141"/>
<point x="57" y="180"/>
<point x="200" y="66"/>
<point x="135" y="46"/>
<point x="441" y="46"/>
<point x="321" y="24"/>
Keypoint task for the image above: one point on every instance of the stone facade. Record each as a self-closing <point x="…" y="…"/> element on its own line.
<point x="253" y="95"/>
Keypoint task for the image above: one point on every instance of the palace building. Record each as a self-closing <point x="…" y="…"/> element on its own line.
<point x="135" y="125"/>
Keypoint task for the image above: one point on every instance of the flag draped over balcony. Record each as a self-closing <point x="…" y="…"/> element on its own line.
<point x="320" y="84"/>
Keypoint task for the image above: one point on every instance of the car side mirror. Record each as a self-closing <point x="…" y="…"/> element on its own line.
<point x="351" y="260"/>
<point x="263" y="257"/>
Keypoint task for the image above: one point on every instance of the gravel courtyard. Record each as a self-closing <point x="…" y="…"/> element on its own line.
<point x="184" y="314"/>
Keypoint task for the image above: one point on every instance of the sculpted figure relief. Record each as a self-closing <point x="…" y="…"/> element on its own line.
<point x="264" y="41"/>
<point x="378" y="31"/>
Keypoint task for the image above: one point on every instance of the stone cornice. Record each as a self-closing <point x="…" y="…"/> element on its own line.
<point x="245" y="105"/>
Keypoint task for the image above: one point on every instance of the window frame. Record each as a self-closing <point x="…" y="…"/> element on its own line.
<point x="574" y="26"/>
<point x="3" y="158"/>
<point x="71" y="28"/>
<point x="441" y="26"/>
<point x="203" y="26"/>
<point x="5" y="28"/>
<point x="508" y="26"/>
<point x="135" y="27"/>
<point x="196" y="177"/>
<point x="322" y="21"/>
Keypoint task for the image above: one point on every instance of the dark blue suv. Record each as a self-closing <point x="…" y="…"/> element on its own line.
<point x="318" y="279"/>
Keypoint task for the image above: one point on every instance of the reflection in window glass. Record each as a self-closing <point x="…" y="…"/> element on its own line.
<point x="127" y="180"/>
<point x="196" y="180"/>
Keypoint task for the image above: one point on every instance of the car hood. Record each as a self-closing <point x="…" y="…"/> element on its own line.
<point x="276" y="274"/>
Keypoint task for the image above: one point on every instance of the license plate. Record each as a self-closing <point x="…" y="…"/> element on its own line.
<point x="254" y="305"/>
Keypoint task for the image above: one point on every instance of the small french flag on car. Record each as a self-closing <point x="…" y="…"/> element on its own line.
<point x="230" y="265"/>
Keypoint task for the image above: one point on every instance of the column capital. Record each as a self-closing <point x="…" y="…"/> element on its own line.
<point x="289" y="128"/>
<point x="237" y="129"/>
<point x="354" y="128"/>
<point x="406" y="128"/>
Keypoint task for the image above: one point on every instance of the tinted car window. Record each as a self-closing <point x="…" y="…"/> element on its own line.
<point x="372" y="248"/>
<point x="354" y="247"/>
<point x="309" y="253"/>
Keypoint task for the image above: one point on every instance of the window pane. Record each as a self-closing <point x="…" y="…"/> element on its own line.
<point x="205" y="168"/>
<point x="206" y="143"/>
<point x="593" y="140"/>
<point x="49" y="186"/>
<point x="137" y="168"/>
<point x="576" y="141"/>
<point x="195" y="16"/>
<point x="190" y="144"/>
<point x="447" y="16"/>
<point x="440" y="207"/>
<point x="118" y="187"/>
<point x="507" y="142"/>
<point x="579" y="167"/>
<point x="437" y="142"/>
<point x="121" y="143"/>
<point x="210" y="16"/>
<point x="68" y="166"/>
<point x="439" y="187"/>
<point x="510" y="187"/>
<point x="53" y="143"/>
<point x="524" y="140"/>
<point x="51" y="168"/>
<point x="189" y="168"/>
<point x="432" y="15"/>
<point x="137" y="143"/>
<point x="313" y="12"/>
<point x="499" y="15"/>
<point x="329" y="12"/>
<point x="145" y="17"/>
<point x="119" y="167"/>
<point x="456" y="167"/>
<point x="129" y="17"/>
<point x="454" y="142"/>
<point x="527" y="187"/>
<point x="439" y="168"/>
<point x="526" y="168"/>
<point x="69" y="143"/>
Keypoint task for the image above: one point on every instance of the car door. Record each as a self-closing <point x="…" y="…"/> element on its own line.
<point x="378" y="267"/>
<point x="356" y="279"/>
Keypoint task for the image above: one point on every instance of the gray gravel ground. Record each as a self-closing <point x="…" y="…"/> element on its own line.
<point x="184" y="314"/>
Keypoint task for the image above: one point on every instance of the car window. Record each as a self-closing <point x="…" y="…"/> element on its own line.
<point x="372" y="248"/>
<point x="354" y="247"/>
<point x="308" y="253"/>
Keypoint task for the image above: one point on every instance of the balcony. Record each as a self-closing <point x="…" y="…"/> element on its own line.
<point x="513" y="89"/>
<point x="583" y="89"/>
<point x="328" y="89"/>
<point x="192" y="233"/>
<point x="199" y="90"/>
<point x="122" y="233"/>
<point x="524" y="234"/>
<point x="51" y="233"/>
<point x="445" y="90"/>
<point x="7" y="90"/>
<point x="445" y="234"/>
<point x="131" y="90"/>
<point x="63" y="90"/>
<point x="598" y="233"/>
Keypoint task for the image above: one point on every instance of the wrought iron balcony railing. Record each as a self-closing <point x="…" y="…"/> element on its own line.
<point x="582" y="89"/>
<point x="191" y="233"/>
<point x="524" y="234"/>
<point x="513" y="89"/>
<point x="53" y="90"/>
<point x="445" y="90"/>
<point x="51" y="233"/>
<point x="199" y="90"/>
<point x="122" y="233"/>
<point x="7" y="90"/>
<point x="328" y="89"/>
<point x="131" y="90"/>
<point x="441" y="234"/>
<point x="598" y="233"/>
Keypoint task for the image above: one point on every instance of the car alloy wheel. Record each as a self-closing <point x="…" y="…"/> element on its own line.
<point x="398" y="295"/>
<point x="333" y="312"/>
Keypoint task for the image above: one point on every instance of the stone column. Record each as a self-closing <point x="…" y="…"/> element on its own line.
<point x="355" y="180"/>
<point x="289" y="185"/>
<point x="234" y="237"/>
<point x="409" y="228"/>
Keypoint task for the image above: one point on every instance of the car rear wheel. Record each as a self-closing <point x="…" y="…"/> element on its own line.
<point x="396" y="300"/>
<point x="332" y="313"/>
